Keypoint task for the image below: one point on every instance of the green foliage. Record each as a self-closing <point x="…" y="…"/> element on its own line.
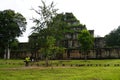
<point x="50" y="50"/>
<point x="113" y="38"/>
<point x="47" y="47"/>
<point x="12" y="25"/>
<point x="47" y="13"/>
<point x="51" y="29"/>
<point x="32" y="40"/>
<point x="43" y="24"/>
<point x="48" y="29"/>
<point x="86" y="40"/>
<point x="58" y="26"/>
<point x="14" y="44"/>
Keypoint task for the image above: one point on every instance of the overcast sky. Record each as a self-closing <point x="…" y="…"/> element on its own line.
<point x="99" y="15"/>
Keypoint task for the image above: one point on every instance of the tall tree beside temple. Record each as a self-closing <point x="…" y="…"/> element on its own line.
<point x="12" y="25"/>
<point x="46" y="28"/>
<point x="86" y="41"/>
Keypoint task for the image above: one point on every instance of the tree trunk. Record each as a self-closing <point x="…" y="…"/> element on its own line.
<point x="5" y="54"/>
<point x="85" y="55"/>
<point x="109" y="53"/>
<point x="8" y="53"/>
<point x="46" y="61"/>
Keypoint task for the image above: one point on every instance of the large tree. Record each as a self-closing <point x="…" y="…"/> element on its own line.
<point x="12" y="25"/>
<point x="113" y="38"/>
<point x="86" y="41"/>
<point x="47" y="28"/>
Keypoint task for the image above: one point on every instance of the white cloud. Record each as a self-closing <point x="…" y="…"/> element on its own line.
<point x="100" y="15"/>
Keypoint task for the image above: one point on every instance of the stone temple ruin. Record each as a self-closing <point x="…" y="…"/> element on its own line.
<point x="70" y="42"/>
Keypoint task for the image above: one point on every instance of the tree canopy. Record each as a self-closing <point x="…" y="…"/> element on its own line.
<point x="113" y="38"/>
<point x="46" y="28"/>
<point x="86" y="41"/>
<point x="46" y="14"/>
<point x="12" y="25"/>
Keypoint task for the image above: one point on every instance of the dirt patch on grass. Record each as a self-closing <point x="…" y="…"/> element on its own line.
<point x="33" y="67"/>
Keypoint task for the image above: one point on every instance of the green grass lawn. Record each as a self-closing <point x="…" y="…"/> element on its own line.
<point x="15" y="70"/>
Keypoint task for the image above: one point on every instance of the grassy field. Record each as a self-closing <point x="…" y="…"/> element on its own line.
<point x="15" y="70"/>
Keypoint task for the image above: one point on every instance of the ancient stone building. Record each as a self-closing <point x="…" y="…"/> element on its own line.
<point x="70" y="42"/>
